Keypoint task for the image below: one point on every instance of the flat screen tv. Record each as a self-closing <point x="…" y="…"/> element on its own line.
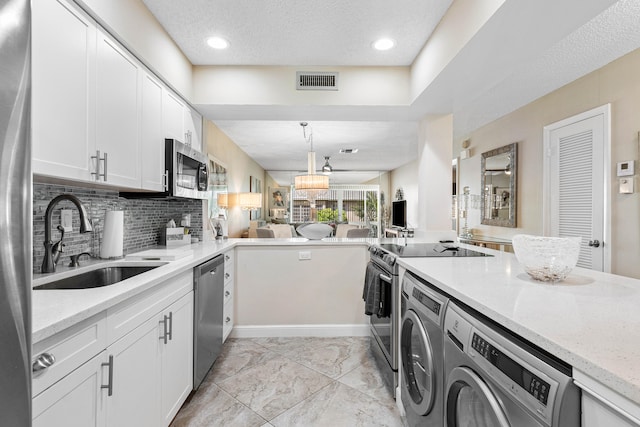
<point x="399" y="213"/>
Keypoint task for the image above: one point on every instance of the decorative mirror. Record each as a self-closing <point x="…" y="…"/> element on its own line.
<point x="499" y="183"/>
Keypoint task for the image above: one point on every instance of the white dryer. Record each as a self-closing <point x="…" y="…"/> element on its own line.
<point x="421" y="352"/>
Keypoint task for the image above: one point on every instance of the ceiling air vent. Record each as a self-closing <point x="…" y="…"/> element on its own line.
<point x="316" y="80"/>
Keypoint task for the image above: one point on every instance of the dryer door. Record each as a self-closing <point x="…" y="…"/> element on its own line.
<point x="471" y="403"/>
<point x="417" y="364"/>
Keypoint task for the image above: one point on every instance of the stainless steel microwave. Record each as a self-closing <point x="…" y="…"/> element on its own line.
<point x="186" y="171"/>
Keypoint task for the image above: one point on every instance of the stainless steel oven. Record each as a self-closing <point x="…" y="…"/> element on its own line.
<point x="385" y="323"/>
<point x="385" y="320"/>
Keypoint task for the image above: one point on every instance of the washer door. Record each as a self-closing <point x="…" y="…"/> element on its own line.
<point x="417" y="364"/>
<point x="470" y="402"/>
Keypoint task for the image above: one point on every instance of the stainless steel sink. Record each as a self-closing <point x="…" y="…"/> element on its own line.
<point x="97" y="278"/>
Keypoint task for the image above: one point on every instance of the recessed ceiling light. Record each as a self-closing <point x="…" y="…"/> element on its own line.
<point x="217" y="43"/>
<point x="383" y="44"/>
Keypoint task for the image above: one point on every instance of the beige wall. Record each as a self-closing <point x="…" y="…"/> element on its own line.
<point x="426" y="181"/>
<point x="237" y="85"/>
<point x="240" y="167"/>
<point x="461" y="22"/>
<point x="405" y="177"/>
<point x="137" y="28"/>
<point x="617" y="83"/>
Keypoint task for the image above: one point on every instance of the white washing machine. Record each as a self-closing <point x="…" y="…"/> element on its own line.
<point x="421" y="352"/>
<point x="495" y="379"/>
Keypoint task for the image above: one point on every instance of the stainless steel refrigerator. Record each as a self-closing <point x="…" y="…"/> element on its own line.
<point x="15" y="213"/>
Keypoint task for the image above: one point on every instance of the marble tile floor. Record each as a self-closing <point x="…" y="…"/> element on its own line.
<point x="282" y="382"/>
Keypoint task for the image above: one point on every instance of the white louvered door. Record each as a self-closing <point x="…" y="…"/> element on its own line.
<point x="576" y="201"/>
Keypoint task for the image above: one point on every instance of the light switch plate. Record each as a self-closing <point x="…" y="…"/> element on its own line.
<point x="626" y="185"/>
<point x="65" y="220"/>
<point x="304" y="255"/>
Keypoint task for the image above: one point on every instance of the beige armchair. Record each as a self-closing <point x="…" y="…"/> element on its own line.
<point x="277" y="231"/>
<point x="358" y="233"/>
<point x="341" y="229"/>
<point x="265" y="233"/>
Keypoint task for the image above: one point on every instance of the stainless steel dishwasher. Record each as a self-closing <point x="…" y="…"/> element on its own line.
<point x="207" y="328"/>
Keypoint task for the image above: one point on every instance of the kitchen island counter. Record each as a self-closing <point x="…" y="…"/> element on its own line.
<point x="56" y="310"/>
<point x="590" y="320"/>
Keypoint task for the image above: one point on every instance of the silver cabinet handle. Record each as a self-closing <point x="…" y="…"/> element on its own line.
<point x="212" y="272"/>
<point x="227" y="320"/>
<point x="165" y="329"/>
<point x="170" y="325"/>
<point x="594" y="243"/>
<point x="104" y="170"/>
<point x="227" y="257"/>
<point x="98" y="160"/>
<point x="165" y="180"/>
<point x="227" y="275"/>
<point x="42" y="362"/>
<point x="109" y="386"/>
<point x="227" y="293"/>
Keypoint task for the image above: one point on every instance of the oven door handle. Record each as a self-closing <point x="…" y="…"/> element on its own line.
<point x="385" y="278"/>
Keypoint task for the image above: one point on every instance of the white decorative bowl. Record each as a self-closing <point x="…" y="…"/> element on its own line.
<point x="547" y="259"/>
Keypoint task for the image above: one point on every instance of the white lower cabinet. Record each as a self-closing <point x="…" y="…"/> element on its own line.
<point x="229" y="290"/>
<point x="135" y="400"/>
<point x="141" y="378"/>
<point x="74" y="401"/>
<point x="176" y="365"/>
<point x="602" y="406"/>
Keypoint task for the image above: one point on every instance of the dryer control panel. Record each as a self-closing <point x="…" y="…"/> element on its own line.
<point x="530" y="382"/>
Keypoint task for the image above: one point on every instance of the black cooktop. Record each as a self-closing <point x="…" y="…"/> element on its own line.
<point x="415" y="250"/>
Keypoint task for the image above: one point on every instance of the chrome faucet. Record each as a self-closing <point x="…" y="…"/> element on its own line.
<point x="52" y="250"/>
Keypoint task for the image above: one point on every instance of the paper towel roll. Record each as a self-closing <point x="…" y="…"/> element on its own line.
<point x="112" y="235"/>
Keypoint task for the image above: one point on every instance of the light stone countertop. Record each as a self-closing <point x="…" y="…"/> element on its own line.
<point x="56" y="310"/>
<point x="591" y="320"/>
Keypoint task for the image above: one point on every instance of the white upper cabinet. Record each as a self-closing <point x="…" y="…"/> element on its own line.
<point x="181" y="122"/>
<point x="118" y="94"/>
<point x="63" y="79"/>
<point x="193" y="128"/>
<point x="152" y="137"/>
<point x="98" y="114"/>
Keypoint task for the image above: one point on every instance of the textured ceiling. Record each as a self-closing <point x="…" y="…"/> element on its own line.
<point x="526" y="50"/>
<point x="299" y="32"/>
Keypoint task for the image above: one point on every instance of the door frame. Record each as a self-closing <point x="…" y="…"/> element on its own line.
<point x="605" y="111"/>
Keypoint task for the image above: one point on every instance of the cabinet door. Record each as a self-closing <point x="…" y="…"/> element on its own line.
<point x="63" y="92"/>
<point x="177" y="358"/>
<point x="76" y="400"/>
<point x="135" y="400"/>
<point x="118" y="78"/>
<point x="193" y="128"/>
<point x="172" y="116"/>
<point x="152" y="139"/>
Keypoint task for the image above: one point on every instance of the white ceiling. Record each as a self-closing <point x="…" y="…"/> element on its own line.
<point x="299" y="32"/>
<point x="528" y="49"/>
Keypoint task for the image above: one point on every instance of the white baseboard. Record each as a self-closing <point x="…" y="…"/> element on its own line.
<point x="266" y="331"/>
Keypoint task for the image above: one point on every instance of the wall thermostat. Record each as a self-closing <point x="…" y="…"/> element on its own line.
<point x="626" y="168"/>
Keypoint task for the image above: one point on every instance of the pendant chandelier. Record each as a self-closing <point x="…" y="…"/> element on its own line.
<point x="311" y="183"/>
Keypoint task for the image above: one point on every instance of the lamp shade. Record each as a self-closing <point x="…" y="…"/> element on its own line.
<point x="249" y="201"/>
<point x="223" y="200"/>
<point x="311" y="182"/>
